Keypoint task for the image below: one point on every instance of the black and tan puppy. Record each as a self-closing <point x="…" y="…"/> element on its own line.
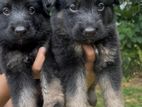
<point x="75" y="22"/>
<point x="65" y="85"/>
<point x="24" y="27"/>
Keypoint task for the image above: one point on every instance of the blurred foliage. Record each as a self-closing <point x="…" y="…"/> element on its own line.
<point x="129" y="17"/>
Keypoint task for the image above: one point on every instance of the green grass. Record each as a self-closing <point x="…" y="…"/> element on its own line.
<point x="132" y="97"/>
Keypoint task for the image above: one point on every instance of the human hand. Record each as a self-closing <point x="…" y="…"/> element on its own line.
<point x="39" y="60"/>
<point x="90" y="56"/>
<point x="90" y="59"/>
<point x="38" y="63"/>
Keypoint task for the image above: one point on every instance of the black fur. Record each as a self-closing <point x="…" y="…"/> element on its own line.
<point x="24" y="28"/>
<point x="76" y="22"/>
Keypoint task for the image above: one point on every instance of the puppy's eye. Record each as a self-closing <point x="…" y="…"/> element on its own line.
<point x="73" y="8"/>
<point x="101" y="7"/>
<point x="32" y="10"/>
<point x="6" y="11"/>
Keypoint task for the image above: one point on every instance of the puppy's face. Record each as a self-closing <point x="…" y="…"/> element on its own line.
<point x="22" y="22"/>
<point x="85" y="20"/>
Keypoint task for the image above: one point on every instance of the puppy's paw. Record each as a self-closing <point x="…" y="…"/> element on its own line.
<point x="15" y="61"/>
<point x="54" y="102"/>
<point x="58" y="104"/>
<point x="92" y="98"/>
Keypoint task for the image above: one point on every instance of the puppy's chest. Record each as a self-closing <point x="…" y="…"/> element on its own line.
<point x="106" y="55"/>
<point x="68" y="53"/>
<point x="16" y="59"/>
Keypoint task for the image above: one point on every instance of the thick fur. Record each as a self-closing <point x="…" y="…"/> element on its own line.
<point x="68" y="70"/>
<point x="72" y="21"/>
<point x="24" y="28"/>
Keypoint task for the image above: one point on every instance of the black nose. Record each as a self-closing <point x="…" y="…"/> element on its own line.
<point x="20" y="29"/>
<point x="90" y="31"/>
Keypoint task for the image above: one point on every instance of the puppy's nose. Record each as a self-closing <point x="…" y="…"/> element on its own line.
<point x="90" y="31"/>
<point x="20" y="29"/>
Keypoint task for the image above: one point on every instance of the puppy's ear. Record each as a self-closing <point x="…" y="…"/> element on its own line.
<point x="117" y="2"/>
<point x="48" y="3"/>
<point x="110" y="2"/>
<point x="58" y="4"/>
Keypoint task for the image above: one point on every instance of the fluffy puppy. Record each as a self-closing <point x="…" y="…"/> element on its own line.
<point x="24" y="28"/>
<point x="66" y="72"/>
<point x="92" y="22"/>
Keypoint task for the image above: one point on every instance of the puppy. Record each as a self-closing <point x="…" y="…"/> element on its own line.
<point x="24" y="28"/>
<point x="66" y="72"/>
<point x="77" y="22"/>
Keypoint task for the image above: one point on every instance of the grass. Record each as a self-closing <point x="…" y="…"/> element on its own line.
<point x="133" y="96"/>
<point x="132" y="92"/>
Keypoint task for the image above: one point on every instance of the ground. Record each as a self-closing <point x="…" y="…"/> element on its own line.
<point x="132" y="92"/>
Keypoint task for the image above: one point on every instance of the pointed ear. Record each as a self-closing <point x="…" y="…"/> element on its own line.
<point x="48" y="3"/>
<point x="111" y="2"/>
<point x="58" y="4"/>
<point x="117" y="2"/>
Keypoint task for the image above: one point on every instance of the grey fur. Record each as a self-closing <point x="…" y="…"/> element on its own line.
<point x="79" y="98"/>
<point x="70" y="21"/>
<point x="24" y="28"/>
<point x="52" y="92"/>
